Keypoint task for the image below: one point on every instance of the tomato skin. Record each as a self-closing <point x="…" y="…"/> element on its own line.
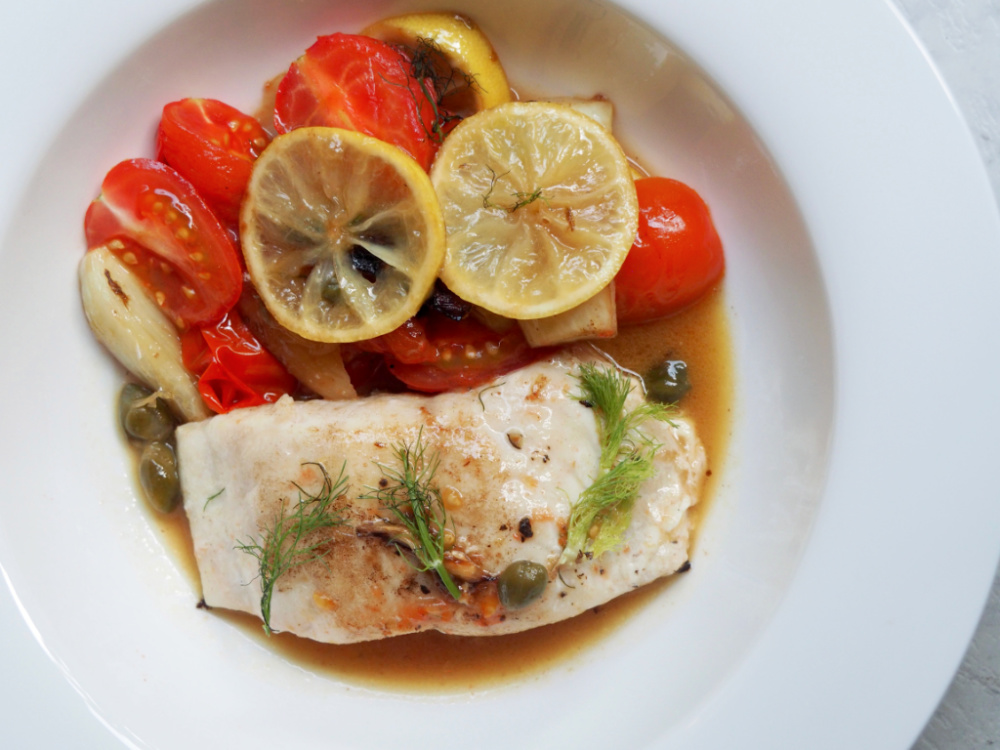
<point x="155" y="221"/>
<point x="433" y="353"/>
<point x="235" y="371"/>
<point x="357" y="83"/>
<point x="213" y="146"/>
<point x="677" y="256"/>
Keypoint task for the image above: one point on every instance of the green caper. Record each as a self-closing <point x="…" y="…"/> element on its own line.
<point x="159" y="477"/>
<point x="149" y="420"/>
<point x="130" y="394"/>
<point x="668" y="382"/>
<point x="521" y="583"/>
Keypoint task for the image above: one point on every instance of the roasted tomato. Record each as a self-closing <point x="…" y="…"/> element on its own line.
<point x="214" y="147"/>
<point x="233" y="369"/>
<point x="677" y="255"/>
<point x="433" y="353"/>
<point x="357" y="83"/>
<point x="155" y="221"/>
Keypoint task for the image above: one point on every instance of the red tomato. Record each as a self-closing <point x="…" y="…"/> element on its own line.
<point x="357" y="83"/>
<point x="155" y="221"/>
<point x="434" y="353"/>
<point x="234" y="370"/>
<point x="213" y="146"/>
<point x="677" y="255"/>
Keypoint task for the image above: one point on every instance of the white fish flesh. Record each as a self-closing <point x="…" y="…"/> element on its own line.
<point x="514" y="456"/>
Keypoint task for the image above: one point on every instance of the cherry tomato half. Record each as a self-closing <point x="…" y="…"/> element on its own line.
<point x="433" y="353"/>
<point x="357" y="83"/>
<point x="677" y="256"/>
<point x="213" y="146"/>
<point x="155" y="221"/>
<point x="234" y="369"/>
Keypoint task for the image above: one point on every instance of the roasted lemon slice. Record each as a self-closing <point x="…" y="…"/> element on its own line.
<point x="342" y="234"/>
<point x="479" y="80"/>
<point x="540" y="208"/>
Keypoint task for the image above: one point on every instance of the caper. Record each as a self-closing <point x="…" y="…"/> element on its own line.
<point x="159" y="477"/>
<point x="150" y="420"/>
<point x="521" y="583"/>
<point x="128" y="396"/>
<point x="668" y="382"/>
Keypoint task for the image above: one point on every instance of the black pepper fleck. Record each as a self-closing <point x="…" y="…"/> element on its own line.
<point x="524" y="528"/>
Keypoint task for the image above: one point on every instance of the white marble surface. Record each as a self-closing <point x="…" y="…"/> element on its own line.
<point x="962" y="37"/>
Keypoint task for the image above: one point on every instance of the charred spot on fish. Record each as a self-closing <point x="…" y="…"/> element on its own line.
<point x="524" y="528"/>
<point x="537" y="389"/>
<point x="685" y="567"/>
<point x="562" y="594"/>
<point x="383" y="483"/>
<point x="116" y="288"/>
<point x="365" y="263"/>
<point x="503" y="527"/>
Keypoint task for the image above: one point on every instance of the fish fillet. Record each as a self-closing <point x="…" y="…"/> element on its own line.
<point x="514" y="456"/>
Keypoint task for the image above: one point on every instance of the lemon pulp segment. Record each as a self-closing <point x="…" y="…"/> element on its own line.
<point x="341" y="232"/>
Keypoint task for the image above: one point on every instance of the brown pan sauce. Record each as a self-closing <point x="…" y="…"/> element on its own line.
<point x="433" y="662"/>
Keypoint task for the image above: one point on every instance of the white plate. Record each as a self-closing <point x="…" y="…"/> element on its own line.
<point x="846" y="561"/>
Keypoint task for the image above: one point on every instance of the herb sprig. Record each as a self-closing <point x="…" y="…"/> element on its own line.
<point x="521" y="198"/>
<point x="602" y="513"/>
<point x="284" y="547"/>
<point x="417" y="505"/>
<point x="437" y="80"/>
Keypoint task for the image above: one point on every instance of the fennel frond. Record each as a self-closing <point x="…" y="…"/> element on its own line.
<point x="600" y="516"/>
<point x="286" y="545"/>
